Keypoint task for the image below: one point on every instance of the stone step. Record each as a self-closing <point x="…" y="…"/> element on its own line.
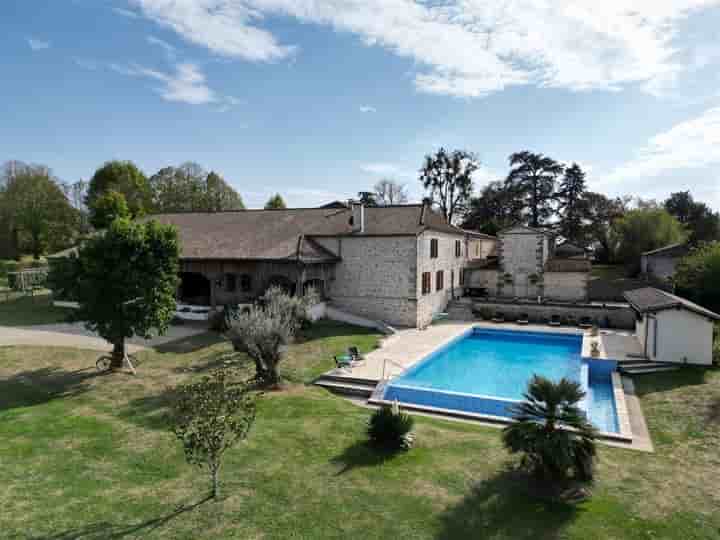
<point x="655" y="368"/>
<point x="346" y="387"/>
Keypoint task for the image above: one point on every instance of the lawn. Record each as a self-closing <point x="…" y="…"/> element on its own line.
<point x="608" y="271"/>
<point x="88" y="456"/>
<point x="25" y="310"/>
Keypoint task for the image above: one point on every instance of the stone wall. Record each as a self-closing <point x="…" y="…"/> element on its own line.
<point x="566" y="286"/>
<point x="436" y="301"/>
<point x="621" y="317"/>
<point x="375" y="278"/>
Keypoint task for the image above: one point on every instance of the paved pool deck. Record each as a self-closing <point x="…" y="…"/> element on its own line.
<point x="404" y="349"/>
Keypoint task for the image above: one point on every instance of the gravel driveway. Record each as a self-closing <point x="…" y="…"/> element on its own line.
<point x="76" y="335"/>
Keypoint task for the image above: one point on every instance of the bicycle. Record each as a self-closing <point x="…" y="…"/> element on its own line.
<point x="104" y="363"/>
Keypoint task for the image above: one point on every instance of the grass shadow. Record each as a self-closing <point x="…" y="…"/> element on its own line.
<point x="190" y="344"/>
<point x="31" y="310"/>
<point x="214" y="361"/>
<point x="110" y="531"/>
<point x="362" y="454"/>
<point x="150" y="412"/>
<point x="503" y="506"/>
<point x="665" y="381"/>
<point x="326" y="328"/>
<point x="713" y="412"/>
<point x="38" y="386"/>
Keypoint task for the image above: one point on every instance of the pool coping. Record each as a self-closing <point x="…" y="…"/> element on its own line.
<point x="624" y="434"/>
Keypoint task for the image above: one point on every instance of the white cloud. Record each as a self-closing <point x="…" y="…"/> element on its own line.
<point x="367" y="109"/>
<point x="186" y="85"/>
<point x="689" y="150"/>
<point x="391" y="170"/>
<point x="466" y="48"/>
<point x="223" y="26"/>
<point x="84" y="63"/>
<point x="164" y="45"/>
<point x="126" y="13"/>
<point x="37" y="44"/>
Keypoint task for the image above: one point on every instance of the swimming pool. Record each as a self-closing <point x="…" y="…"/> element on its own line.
<point x="486" y="371"/>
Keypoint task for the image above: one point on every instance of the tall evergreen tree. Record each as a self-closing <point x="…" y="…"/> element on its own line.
<point x="532" y="178"/>
<point x="571" y="207"/>
<point x="495" y="209"/>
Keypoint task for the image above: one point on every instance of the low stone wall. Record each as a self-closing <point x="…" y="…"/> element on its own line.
<point x="609" y="316"/>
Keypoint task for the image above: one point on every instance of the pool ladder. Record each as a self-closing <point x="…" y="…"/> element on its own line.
<point x="385" y="370"/>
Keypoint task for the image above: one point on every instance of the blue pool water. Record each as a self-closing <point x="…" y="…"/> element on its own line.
<point x="486" y="371"/>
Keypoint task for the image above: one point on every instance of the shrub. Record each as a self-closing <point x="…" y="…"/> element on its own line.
<point x="390" y="428"/>
<point x="211" y="416"/>
<point x="540" y="432"/>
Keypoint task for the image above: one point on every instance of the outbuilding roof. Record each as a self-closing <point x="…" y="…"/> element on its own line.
<point x="275" y="234"/>
<point x="650" y="300"/>
<point x="672" y="250"/>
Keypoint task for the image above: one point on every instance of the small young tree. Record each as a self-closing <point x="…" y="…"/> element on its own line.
<point x="540" y="431"/>
<point x="210" y="417"/>
<point x="264" y="332"/>
<point x="125" y="282"/>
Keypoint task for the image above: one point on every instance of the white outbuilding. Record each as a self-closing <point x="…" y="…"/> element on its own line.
<point x="671" y="328"/>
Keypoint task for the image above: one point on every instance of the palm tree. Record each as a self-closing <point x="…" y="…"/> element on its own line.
<point x="552" y="432"/>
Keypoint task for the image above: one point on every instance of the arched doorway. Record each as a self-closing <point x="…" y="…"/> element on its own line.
<point x="283" y="282"/>
<point x="194" y="289"/>
<point x="317" y="284"/>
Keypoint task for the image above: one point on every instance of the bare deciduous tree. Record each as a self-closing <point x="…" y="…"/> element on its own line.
<point x="389" y="192"/>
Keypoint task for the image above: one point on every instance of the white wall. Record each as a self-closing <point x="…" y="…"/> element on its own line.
<point x="682" y="337"/>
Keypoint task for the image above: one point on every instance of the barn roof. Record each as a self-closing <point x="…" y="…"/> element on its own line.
<point x="276" y="234"/>
<point x="650" y="300"/>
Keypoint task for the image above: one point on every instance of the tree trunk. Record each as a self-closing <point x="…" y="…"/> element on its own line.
<point x="118" y="354"/>
<point x="214" y="470"/>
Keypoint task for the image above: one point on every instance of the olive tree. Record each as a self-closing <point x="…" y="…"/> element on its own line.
<point x="264" y="332"/>
<point x="210" y="417"/>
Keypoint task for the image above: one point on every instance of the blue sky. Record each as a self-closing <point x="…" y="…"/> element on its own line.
<point x="317" y="100"/>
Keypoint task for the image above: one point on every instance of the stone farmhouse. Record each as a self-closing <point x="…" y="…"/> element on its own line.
<point x="396" y="264"/>
<point x="527" y="265"/>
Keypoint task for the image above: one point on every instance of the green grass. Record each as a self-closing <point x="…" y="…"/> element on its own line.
<point x="24" y="310"/>
<point x="88" y="456"/>
<point x="609" y="271"/>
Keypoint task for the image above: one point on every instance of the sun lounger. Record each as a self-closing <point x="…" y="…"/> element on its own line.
<point x="555" y="320"/>
<point x="523" y="319"/>
<point x="499" y="317"/>
<point x="585" y="322"/>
